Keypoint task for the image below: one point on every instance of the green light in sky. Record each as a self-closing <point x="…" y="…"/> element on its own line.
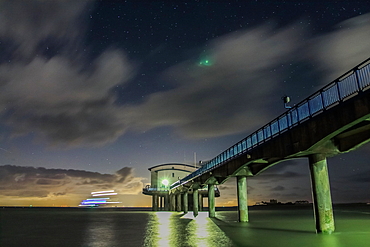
<point x="205" y="62"/>
<point x="205" y="59"/>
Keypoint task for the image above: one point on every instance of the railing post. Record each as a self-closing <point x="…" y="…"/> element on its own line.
<point x="337" y="83"/>
<point x="357" y="80"/>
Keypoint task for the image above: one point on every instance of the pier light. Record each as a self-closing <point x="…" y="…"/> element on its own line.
<point x="165" y="182"/>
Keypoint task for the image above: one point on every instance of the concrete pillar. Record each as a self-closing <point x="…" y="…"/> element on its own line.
<point x="173" y="202"/>
<point x="160" y="203"/>
<point x="200" y="202"/>
<point x="211" y="201"/>
<point x="185" y="201"/>
<point x="166" y="203"/>
<point x="155" y="202"/>
<point x="242" y="198"/>
<point x="178" y="209"/>
<point x="323" y="208"/>
<point x="195" y="202"/>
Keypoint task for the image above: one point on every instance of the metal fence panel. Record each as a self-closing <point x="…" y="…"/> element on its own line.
<point x="267" y="131"/>
<point x="303" y="111"/>
<point x="294" y="116"/>
<point x="283" y="123"/>
<point x="330" y="95"/>
<point x="274" y="127"/>
<point x="254" y="139"/>
<point x="316" y="104"/>
<point x="348" y="86"/>
<point x="364" y="76"/>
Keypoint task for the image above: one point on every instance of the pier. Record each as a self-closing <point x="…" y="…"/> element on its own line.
<point x="332" y="121"/>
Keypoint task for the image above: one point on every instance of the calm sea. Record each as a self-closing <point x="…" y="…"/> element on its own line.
<point x="269" y="226"/>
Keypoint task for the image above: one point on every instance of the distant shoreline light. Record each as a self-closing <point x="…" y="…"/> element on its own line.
<point x="106" y="194"/>
<point x="104" y="191"/>
<point x="98" y="200"/>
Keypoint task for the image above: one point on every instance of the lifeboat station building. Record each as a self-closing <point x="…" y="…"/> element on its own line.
<point x="162" y="177"/>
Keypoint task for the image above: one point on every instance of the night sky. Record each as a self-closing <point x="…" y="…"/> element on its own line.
<point x="93" y="93"/>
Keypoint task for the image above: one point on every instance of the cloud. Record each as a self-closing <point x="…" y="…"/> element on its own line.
<point x="246" y="77"/>
<point x="51" y="86"/>
<point x="61" y="95"/>
<point x="27" y="23"/>
<point x="363" y="177"/>
<point x="345" y="47"/>
<point x="269" y="177"/>
<point x="17" y="181"/>
<point x="232" y="95"/>
<point x="278" y="188"/>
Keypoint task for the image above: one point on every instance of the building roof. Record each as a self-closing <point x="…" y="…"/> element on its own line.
<point x="173" y="166"/>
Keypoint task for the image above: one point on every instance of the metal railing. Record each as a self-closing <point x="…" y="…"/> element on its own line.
<point x="353" y="82"/>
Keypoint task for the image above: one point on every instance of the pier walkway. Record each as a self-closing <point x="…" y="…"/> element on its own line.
<point x="334" y="120"/>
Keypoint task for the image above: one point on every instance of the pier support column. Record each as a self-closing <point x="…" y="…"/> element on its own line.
<point x="166" y="203"/>
<point x="242" y="198"/>
<point x="155" y="202"/>
<point x="211" y="201"/>
<point x="178" y="208"/>
<point x="185" y="201"/>
<point x="195" y="202"/>
<point x="200" y="202"/>
<point x="323" y="208"/>
<point x="173" y="202"/>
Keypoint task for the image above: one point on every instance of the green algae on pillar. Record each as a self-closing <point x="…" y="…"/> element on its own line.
<point x="185" y="201"/>
<point x="155" y="202"/>
<point x="166" y="203"/>
<point x="178" y="209"/>
<point x="200" y="207"/>
<point x="211" y="201"/>
<point x="195" y="202"/>
<point x="242" y="198"/>
<point x="172" y="202"/>
<point x="323" y="207"/>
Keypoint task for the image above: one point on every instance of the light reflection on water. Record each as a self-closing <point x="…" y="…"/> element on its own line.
<point x="175" y="229"/>
<point x="99" y="232"/>
<point x="281" y="227"/>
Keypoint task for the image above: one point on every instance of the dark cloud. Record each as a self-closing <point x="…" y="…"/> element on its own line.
<point x="27" y="23"/>
<point x="41" y="182"/>
<point x="250" y="71"/>
<point x="361" y="177"/>
<point x="340" y="50"/>
<point x="277" y="177"/>
<point x="278" y="188"/>
<point x="61" y="95"/>
<point x="48" y="86"/>
<point x="232" y="95"/>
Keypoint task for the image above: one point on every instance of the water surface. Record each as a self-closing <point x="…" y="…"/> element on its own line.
<point x="268" y="226"/>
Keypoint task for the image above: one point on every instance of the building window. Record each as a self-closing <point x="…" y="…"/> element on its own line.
<point x="173" y="175"/>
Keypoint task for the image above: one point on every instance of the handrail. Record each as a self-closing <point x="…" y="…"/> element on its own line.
<point x="353" y="82"/>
